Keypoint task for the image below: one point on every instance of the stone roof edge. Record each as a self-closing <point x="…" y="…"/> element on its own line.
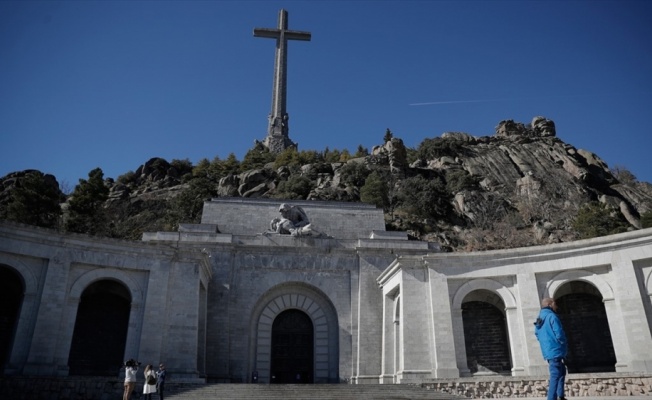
<point x="303" y="203"/>
<point x="566" y="249"/>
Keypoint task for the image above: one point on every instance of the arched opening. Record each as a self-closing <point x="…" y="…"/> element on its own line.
<point x="583" y="316"/>
<point x="292" y="348"/>
<point x="100" y="334"/>
<point x="11" y="299"/>
<point x="485" y="333"/>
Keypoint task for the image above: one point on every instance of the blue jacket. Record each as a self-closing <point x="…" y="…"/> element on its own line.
<point x="550" y="335"/>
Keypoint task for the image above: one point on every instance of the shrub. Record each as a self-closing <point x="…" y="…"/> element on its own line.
<point x="595" y="219"/>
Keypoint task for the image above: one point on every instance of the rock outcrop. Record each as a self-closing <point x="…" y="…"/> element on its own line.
<point x="521" y="186"/>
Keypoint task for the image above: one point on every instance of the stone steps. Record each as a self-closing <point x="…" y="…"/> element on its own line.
<point x="295" y="392"/>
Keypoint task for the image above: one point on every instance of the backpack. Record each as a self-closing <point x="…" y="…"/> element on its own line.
<point x="151" y="379"/>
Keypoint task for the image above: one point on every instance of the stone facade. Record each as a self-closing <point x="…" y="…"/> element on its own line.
<point x="383" y="309"/>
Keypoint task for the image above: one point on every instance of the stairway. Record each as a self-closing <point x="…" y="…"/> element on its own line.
<point x="228" y="391"/>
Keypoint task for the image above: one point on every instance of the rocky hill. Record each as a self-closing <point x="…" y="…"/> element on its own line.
<point x="522" y="186"/>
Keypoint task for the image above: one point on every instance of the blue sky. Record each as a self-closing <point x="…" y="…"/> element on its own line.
<point x="111" y="84"/>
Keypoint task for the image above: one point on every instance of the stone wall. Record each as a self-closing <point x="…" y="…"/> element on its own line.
<point x="577" y="385"/>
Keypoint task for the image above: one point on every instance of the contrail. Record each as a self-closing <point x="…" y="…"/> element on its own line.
<point x="454" y="102"/>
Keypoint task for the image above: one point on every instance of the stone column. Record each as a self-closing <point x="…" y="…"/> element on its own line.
<point x="416" y="361"/>
<point x="458" y="336"/>
<point x="389" y="333"/>
<point x="45" y="344"/>
<point x="630" y="332"/>
<point x="515" y="332"/>
<point x="368" y="336"/>
<point x="530" y="302"/>
<point x="443" y="346"/>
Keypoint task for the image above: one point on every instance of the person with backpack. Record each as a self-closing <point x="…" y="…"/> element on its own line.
<point x="150" y="382"/>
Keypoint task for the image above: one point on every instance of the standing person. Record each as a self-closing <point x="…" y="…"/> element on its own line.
<point x="554" y="346"/>
<point x="131" y="367"/>
<point x="160" y="382"/>
<point x="150" y="382"/>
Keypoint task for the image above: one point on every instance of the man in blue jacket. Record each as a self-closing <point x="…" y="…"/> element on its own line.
<point x="554" y="346"/>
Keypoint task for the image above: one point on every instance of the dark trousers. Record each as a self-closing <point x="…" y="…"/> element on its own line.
<point x="160" y="388"/>
<point x="557" y="377"/>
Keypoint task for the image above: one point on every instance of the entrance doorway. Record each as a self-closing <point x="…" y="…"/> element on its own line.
<point x="292" y="348"/>
<point x="582" y="313"/>
<point x="100" y="334"/>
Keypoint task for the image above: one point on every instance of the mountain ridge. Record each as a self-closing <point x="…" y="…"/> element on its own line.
<point x="523" y="186"/>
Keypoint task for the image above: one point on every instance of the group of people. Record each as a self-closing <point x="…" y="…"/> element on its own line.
<point x="154" y="381"/>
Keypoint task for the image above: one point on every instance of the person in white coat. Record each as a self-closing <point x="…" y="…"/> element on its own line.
<point x="150" y="382"/>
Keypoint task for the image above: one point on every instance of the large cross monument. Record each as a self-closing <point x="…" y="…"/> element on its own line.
<point x="278" y="138"/>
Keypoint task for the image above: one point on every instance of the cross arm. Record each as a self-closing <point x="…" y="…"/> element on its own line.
<point x="298" y="35"/>
<point x="267" y="32"/>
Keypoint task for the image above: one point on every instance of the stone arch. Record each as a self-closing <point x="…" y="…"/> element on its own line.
<point x="89" y="277"/>
<point x="28" y="311"/>
<point x="508" y="308"/>
<point x="485" y="333"/>
<point x="135" y="314"/>
<point x="101" y="327"/>
<point x="314" y="303"/>
<point x="579" y="275"/>
<point x="582" y="312"/>
<point x="487" y="284"/>
<point x="29" y="279"/>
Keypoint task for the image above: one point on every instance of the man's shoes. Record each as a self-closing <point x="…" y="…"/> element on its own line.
<point x="562" y="398"/>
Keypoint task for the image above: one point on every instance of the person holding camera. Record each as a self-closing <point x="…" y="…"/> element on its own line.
<point x="131" y="367"/>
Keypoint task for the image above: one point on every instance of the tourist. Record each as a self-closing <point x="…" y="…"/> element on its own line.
<point x="150" y="382"/>
<point x="554" y="346"/>
<point x="131" y="367"/>
<point x="160" y="382"/>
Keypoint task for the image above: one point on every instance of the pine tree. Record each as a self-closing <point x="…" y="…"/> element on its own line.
<point x="35" y="201"/>
<point x="86" y="211"/>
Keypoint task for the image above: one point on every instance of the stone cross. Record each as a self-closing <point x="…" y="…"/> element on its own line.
<point x="278" y="138"/>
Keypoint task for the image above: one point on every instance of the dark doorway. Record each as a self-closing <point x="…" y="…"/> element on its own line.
<point x="100" y="335"/>
<point x="582" y="313"/>
<point x="485" y="338"/>
<point x="292" y="348"/>
<point x="11" y="299"/>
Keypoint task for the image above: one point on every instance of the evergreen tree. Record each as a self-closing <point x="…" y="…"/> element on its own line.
<point x="297" y="187"/>
<point x="595" y="220"/>
<point x="388" y="136"/>
<point x="425" y="198"/>
<point x="86" y="206"/>
<point x="35" y="201"/>
<point x="188" y="205"/>
<point x="375" y="191"/>
<point x="257" y="158"/>
<point x="361" y="152"/>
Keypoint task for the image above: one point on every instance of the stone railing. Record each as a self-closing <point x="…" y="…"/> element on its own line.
<point x="577" y="385"/>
